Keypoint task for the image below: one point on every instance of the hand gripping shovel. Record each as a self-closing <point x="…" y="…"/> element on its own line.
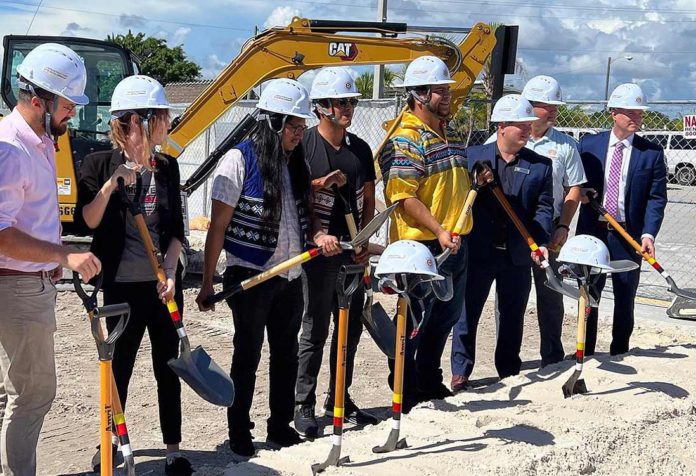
<point x="374" y="317"/>
<point x="196" y="367"/>
<point x="684" y="304"/>
<point x="393" y="442"/>
<point x="110" y="410"/>
<point x="362" y="238"/>
<point x="346" y="284"/>
<point x="552" y="280"/>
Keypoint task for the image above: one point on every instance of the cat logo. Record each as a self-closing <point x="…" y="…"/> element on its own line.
<point x="347" y="51"/>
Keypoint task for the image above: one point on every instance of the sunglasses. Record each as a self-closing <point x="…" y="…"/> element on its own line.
<point x="344" y="102"/>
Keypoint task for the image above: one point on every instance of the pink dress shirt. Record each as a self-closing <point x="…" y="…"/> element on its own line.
<point x="28" y="191"/>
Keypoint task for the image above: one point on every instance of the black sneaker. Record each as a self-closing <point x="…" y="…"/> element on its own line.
<point x="305" y="421"/>
<point x="177" y="466"/>
<point x="351" y="412"/>
<point x="283" y="436"/>
<point x="116" y="458"/>
<point x="436" y="392"/>
<point x="242" y="446"/>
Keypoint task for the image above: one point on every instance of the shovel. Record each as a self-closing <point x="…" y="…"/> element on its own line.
<point x="361" y="238"/>
<point x="110" y="409"/>
<point x="374" y="317"/>
<point x="552" y="280"/>
<point x="347" y="283"/>
<point x="684" y="304"/>
<point x="393" y="442"/>
<point x="195" y="367"/>
<point x="575" y="384"/>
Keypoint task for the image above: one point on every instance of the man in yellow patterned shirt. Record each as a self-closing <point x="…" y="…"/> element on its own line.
<point x="425" y="170"/>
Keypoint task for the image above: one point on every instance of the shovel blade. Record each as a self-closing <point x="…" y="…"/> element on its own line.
<point x="575" y="385"/>
<point x="334" y="459"/>
<point x="380" y="327"/>
<point x="204" y="376"/>
<point x="682" y="308"/>
<point x="687" y="294"/>
<point x="393" y="443"/>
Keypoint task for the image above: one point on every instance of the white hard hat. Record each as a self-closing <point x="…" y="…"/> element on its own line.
<point x="408" y="257"/>
<point x="544" y="89"/>
<point x="285" y="96"/>
<point x="513" y="108"/>
<point x="333" y="82"/>
<point x="57" y="69"/>
<point x="138" y="92"/>
<point x="628" y="96"/>
<point x="425" y="71"/>
<point x="590" y="251"/>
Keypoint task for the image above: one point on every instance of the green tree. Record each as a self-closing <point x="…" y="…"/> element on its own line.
<point x="365" y="82"/>
<point x="165" y="64"/>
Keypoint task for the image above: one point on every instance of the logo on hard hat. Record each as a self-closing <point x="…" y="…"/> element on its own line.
<point x="558" y="94"/>
<point x="349" y="86"/>
<point x="639" y="100"/>
<point x="429" y="262"/>
<point x="528" y="110"/>
<point x="347" y="51"/>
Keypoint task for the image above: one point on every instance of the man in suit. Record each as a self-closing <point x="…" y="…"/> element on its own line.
<point x="629" y="175"/>
<point x="499" y="253"/>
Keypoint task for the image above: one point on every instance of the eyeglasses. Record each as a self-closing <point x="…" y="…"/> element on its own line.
<point x="344" y="102"/>
<point x="69" y="107"/>
<point x="297" y="129"/>
<point x="441" y="91"/>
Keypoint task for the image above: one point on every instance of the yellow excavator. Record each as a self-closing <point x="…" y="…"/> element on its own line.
<point x="278" y="52"/>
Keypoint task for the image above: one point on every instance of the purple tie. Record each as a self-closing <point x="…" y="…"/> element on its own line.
<point x="611" y="195"/>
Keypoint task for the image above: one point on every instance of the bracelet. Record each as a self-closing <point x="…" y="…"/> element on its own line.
<point x="561" y="225"/>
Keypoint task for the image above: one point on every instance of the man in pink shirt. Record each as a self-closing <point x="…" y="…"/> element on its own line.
<point x="52" y="82"/>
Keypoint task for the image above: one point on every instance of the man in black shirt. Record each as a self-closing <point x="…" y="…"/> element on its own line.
<point x="343" y="172"/>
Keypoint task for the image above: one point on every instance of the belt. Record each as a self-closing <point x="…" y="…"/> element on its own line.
<point x="15" y="272"/>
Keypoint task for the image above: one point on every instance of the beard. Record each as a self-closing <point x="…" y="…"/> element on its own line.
<point x="58" y="129"/>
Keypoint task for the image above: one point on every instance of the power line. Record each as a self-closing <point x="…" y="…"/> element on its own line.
<point x="32" y="18"/>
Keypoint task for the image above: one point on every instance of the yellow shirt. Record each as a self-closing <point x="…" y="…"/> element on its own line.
<point x="419" y="163"/>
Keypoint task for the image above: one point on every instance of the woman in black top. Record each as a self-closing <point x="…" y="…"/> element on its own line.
<point x="139" y="122"/>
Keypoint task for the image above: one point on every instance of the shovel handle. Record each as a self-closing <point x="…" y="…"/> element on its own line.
<point x="500" y="196"/>
<point x="622" y="231"/>
<point x="88" y="300"/>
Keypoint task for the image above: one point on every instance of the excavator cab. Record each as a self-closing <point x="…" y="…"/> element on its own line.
<point x="106" y="64"/>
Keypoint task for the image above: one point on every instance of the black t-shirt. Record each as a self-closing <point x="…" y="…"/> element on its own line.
<point x="354" y="159"/>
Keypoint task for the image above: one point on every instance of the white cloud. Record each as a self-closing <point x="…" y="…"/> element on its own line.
<point x="180" y="36"/>
<point x="281" y="16"/>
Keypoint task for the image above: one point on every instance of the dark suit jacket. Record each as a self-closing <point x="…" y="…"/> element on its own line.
<point x="646" y="187"/>
<point x="531" y="199"/>
<point x="110" y="235"/>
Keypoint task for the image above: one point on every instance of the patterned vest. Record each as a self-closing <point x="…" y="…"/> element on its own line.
<point x="249" y="236"/>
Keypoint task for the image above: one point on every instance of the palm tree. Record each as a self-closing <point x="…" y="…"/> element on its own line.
<point x="365" y="82"/>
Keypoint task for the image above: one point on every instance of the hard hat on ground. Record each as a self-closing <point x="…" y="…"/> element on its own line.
<point x="408" y="257"/>
<point x="628" y="96"/>
<point x="138" y="92"/>
<point x="590" y="251"/>
<point x="544" y="89"/>
<point x="426" y="71"/>
<point x="333" y="82"/>
<point x="285" y="96"/>
<point x="513" y="108"/>
<point x="57" y="69"/>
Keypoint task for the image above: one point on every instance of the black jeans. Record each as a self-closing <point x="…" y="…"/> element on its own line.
<point x="322" y="274"/>
<point x="276" y="307"/>
<point x="148" y="312"/>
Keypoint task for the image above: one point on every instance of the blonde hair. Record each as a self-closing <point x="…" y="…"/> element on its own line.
<point x="120" y="128"/>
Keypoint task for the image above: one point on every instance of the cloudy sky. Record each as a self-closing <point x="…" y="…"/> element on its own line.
<point x="558" y="38"/>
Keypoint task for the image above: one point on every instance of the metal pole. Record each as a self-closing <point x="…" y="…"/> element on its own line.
<point x="378" y="77"/>
<point x="606" y="83"/>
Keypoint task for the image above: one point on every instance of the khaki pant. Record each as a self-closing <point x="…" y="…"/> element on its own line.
<point x="27" y="368"/>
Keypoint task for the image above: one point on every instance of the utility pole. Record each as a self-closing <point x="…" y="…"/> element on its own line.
<point x="378" y="78"/>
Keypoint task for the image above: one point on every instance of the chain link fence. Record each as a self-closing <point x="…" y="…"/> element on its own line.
<point x="676" y="246"/>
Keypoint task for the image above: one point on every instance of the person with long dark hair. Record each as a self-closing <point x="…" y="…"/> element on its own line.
<point x="261" y="217"/>
<point x="139" y="122"/>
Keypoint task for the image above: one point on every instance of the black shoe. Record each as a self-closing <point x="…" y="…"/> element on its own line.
<point x="305" y="421"/>
<point x="179" y="466"/>
<point x="435" y="392"/>
<point x="351" y="412"/>
<point x="242" y="445"/>
<point x="283" y="436"/>
<point x="116" y="458"/>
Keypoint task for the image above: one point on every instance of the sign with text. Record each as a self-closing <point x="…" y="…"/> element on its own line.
<point x="690" y="126"/>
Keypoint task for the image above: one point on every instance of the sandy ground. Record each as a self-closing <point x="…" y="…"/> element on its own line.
<point x="638" y="419"/>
